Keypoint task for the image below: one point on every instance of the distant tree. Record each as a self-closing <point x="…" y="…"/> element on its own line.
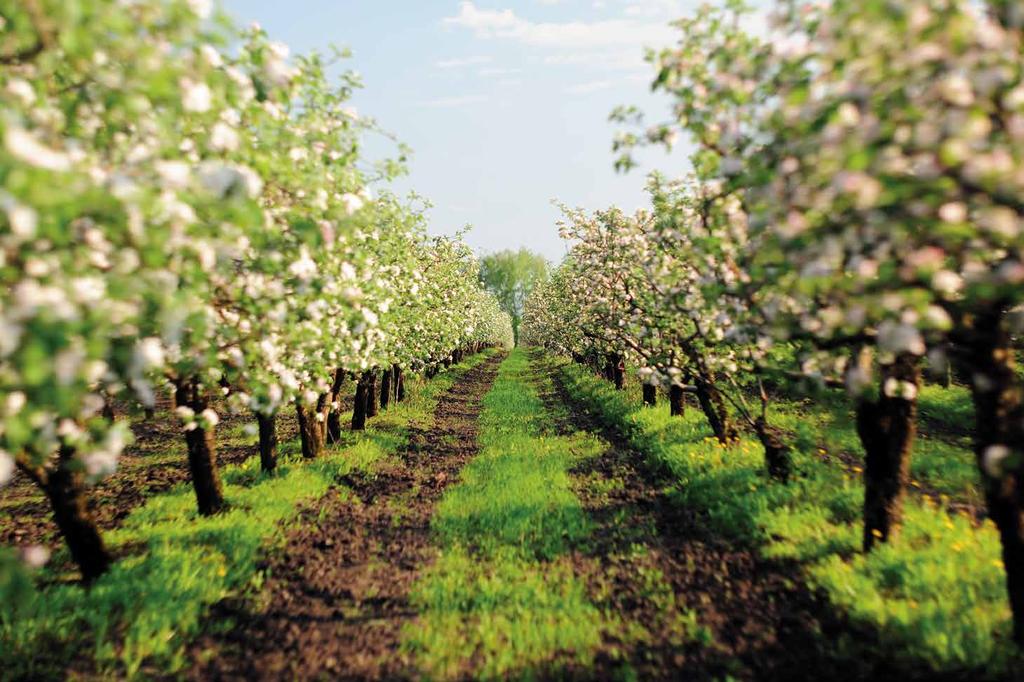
<point x="511" y="276"/>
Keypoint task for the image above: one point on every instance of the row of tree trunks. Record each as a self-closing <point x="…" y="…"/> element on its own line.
<point x="67" y="492"/>
<point x="650" y="395"/>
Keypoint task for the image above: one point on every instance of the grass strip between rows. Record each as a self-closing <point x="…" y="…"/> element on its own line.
<point x="503" y="600"/>
<point x="177" y="563"/>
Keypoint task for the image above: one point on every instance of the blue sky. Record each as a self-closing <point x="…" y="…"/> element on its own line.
<point x="504" y="102"/>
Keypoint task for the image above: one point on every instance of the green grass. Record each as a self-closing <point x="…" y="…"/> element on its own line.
<point x="503" y="600"/>
<point x="936" y="594"/>
<point x="143" y="612"/>
<point x="942" y="460"/>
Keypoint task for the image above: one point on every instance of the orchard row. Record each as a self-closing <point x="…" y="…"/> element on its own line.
<point x="854" y="216"/>
<point x="184" y="207"/>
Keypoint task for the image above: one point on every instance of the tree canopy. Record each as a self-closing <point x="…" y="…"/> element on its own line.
<point x="511" y="276"/>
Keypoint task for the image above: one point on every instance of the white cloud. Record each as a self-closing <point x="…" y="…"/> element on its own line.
<point x="463" y="61"/>
<point x="625" y="60"/>
<point x="505" y="24"/>
<point x="656" y="9"/>
<point x="494" y="71"/>
<point x="587" y="88"/>
<point x="454" y="102"/>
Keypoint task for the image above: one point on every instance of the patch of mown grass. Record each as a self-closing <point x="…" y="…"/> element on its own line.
<point x="936" y="594"/>
<point x="139" y="616"/>
<point x="503" y="599"/>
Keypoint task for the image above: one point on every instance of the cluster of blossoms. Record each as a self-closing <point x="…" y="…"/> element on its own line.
<point x="174" y="213"/>
<point x="856" y="209"/>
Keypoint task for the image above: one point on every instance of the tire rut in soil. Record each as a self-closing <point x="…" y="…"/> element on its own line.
<point x="765" y="622"/>
<point x="336" y="598"/>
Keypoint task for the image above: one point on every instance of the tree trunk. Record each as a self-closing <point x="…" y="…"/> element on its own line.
<point x="777" y="456"/>
<point x="619" y="373"/>
<point x="66" y="491"/>
<point x="332" y="407"/>
<point x="396" y="371"/>
<point x="886" y="429"/>
<point x="334" y="425"/>
<point x="650" y="395"/>
<point x="268" y="441"/>
<point x="385" y="388"/>
<point x="359" y="404"/>
<point x="609" y="367"/>
<point x="713" y="406"/>
<point x="676" y="401"/>
<point x="311" y="433"/>
<point x="371" y="395"/>
<point x="202" y="452"/>
<point x="108" y="409"/>
<point x="400" y="386"/>
<point x="998" y="446"/>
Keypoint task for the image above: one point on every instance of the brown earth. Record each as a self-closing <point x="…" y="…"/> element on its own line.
<point x="760" y="620"/>
<point x="336" y="597"/>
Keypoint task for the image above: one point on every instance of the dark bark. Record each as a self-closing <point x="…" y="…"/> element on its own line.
<point x="609" y="367"/>
<point x="311" y="433"/>
<point x="650" y="395"/>
<point x="359" y="404"/>
<point x="66" y="490"/>
<point x="371" y="395"/>
<point x="332" y="413"/>
<point x="778" y="458"/>
<point x="619" y="373"/>
<point x="385" y="388"/>
<point x="202" y="452"/>
<point x="334" y="426"/>
<point x="713" y="406"/>
<point x="396" y="372"/>
<point x="268" y="441"/>
<point x="887" y="428"/>
<point x="998" y="407"/>
<point x="108" y="409"/>
<point x="400" y="386"/>
<point x="676" y="401"/>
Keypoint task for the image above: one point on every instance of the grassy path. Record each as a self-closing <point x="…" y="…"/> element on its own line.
<point x="552" y="562"/>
